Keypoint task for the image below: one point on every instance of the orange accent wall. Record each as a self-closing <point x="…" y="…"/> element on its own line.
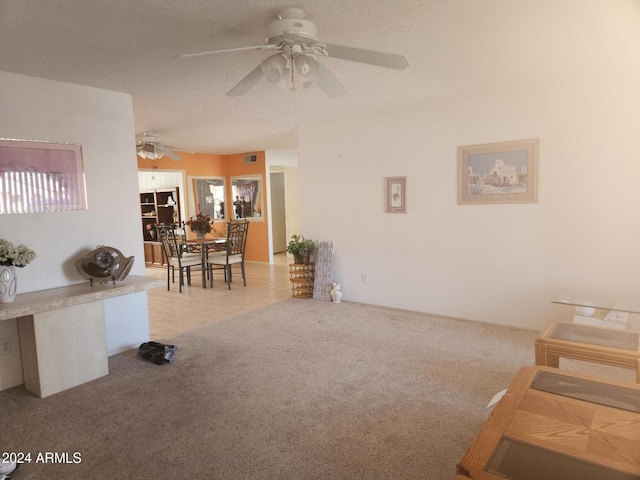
<point x="205" y="164"/>
<point x="256" y="250"/>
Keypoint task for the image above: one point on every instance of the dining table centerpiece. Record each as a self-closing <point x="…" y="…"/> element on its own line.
<point x="12" y="256"/>
<point x="200" y="224"/>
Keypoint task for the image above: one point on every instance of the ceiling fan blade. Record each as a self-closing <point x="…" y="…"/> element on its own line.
<point x="162" y="150"/>
<point x="244" y="85"/>
<point x="177" y="149"/>
<point x="381" y="59"/>
<point x="257" y="47"/>
<point x="329" y="84"/>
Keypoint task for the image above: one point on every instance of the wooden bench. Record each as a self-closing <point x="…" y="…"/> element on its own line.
<point x="620" y="348"/>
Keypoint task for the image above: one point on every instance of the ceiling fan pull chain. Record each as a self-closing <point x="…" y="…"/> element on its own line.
<point x="293" y="74"/>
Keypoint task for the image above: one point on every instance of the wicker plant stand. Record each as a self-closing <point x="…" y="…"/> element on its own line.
<point x="302" y="276"/>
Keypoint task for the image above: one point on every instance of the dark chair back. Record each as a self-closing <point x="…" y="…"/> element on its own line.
<point x="234" y="251"/>
<point x="174" y="246"/>
<point x="236" y="238"/>
<point x="172" y="239"/>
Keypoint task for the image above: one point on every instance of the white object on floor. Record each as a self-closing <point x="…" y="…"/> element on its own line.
<point x="6" y="468"/>
<point x="496" y="398"/>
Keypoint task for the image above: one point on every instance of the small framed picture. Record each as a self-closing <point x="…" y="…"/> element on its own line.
<point x="396" y="195"/>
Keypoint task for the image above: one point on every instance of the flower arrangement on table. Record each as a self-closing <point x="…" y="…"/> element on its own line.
<point x="201" y="223"/>
<point x="19" y="256"/>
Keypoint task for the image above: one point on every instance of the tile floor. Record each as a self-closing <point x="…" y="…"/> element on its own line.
<point x="171" y="312"/>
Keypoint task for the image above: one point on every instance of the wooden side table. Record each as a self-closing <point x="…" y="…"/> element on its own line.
<point x="302" y="279"/>
<point x="620" y="348"/>
<point x="557" y="424"/>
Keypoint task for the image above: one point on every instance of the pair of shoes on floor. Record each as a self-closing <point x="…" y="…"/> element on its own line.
<point x="157" y="353"/>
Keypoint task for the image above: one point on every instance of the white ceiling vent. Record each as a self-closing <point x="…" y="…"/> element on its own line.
<point x="250" y="158"/>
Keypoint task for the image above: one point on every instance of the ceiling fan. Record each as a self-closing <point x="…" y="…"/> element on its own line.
<point x="148" y="146"/>
<point x="296" y="62"/>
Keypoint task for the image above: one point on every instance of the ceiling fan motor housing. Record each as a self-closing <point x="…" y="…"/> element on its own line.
<point x="146" y="138"/>
<point x="291" y="21"/>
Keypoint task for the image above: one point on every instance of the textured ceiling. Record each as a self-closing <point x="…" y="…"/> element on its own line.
<point x="456" y="49"/>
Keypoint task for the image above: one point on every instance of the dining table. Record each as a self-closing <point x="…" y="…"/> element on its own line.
<point x="206" y="245"/>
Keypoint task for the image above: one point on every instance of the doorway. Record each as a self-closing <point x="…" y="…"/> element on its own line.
<point x="278" y="213"/>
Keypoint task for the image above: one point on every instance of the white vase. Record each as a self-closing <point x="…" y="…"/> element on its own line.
<point x="336" y="293"/>
<point x="8" y="284"/>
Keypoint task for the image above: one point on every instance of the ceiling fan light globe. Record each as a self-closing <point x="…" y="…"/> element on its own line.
<point x="307" y="68"/>
<point x="274" y="67"/>
<point x="150" y="155"/>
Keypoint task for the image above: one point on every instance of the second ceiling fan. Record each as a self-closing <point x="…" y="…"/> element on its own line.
<point x="297" y="61"/>
<point x="148" y="146"/>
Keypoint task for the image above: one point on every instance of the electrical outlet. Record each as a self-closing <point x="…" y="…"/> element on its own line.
<point x="365" y="279"/>
<point x="5" y="346"/>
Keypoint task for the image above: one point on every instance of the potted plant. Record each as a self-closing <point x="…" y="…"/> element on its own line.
<point x="201" y="224"/>
<point x="301" y="249"/>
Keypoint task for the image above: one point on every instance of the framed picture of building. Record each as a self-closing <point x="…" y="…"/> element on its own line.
<point x="396" y="195"/>
<point x="505" y="172"/>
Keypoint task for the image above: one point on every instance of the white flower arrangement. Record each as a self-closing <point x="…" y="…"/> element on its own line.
<point x="19" y="256"/>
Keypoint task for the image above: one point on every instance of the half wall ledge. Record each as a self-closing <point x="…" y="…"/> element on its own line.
<point x="62" y="332"/>
<point x="63" y="297"/>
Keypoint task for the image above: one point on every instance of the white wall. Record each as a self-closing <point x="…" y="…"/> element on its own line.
<point x="491" y="263"/>
<point x="292" y="199"/>
<point x="102" y="122"/>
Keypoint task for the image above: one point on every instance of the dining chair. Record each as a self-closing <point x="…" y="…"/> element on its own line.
<point x="176" y="254"/>
<point x="233" y="253"/>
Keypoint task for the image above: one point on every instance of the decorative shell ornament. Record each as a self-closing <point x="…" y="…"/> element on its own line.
<point x="104" y="265"/>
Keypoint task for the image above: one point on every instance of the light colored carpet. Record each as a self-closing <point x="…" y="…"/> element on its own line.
<point x="302" y="389"/>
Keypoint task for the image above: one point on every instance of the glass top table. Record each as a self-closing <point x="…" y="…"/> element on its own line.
<point x="605" y="338"/>
<point x="557" y="424"/>
<point x="578" y="298"/>
<point x="620" y="348"/>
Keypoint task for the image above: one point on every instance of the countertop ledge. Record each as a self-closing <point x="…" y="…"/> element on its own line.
<point x="62" y="297"/>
